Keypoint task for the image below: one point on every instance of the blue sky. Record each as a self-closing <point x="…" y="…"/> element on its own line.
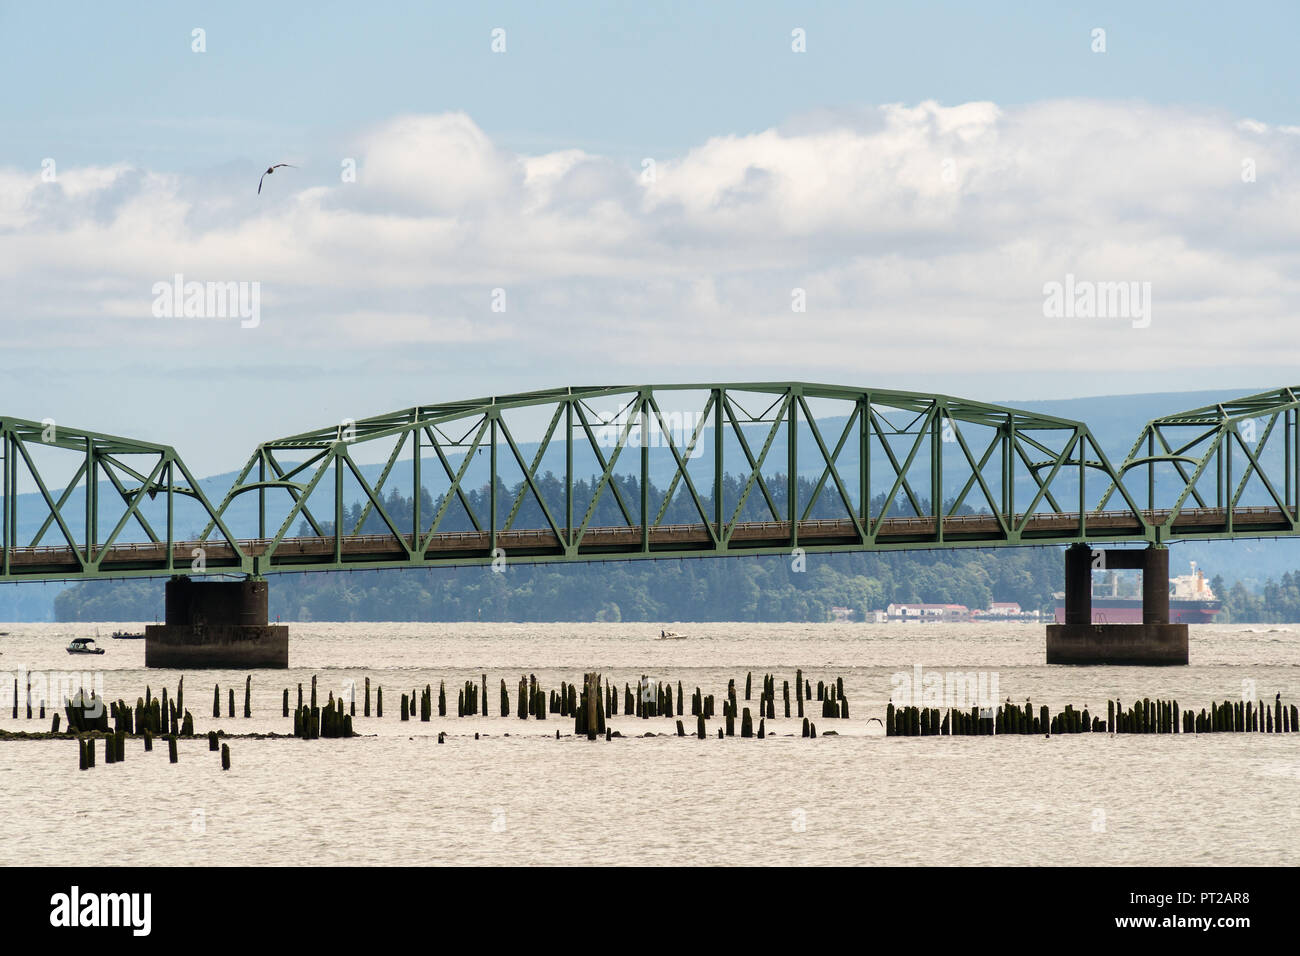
<point x="521" y="171"/>
<point x="99" y="83"/>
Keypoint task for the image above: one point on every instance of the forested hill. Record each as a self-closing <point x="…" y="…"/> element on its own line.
<point x="711" y="589"/>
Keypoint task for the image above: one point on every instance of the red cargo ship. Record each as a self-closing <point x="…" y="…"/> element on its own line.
<point x="1191" y="601"/>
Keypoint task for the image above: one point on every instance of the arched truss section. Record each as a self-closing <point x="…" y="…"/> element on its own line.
<point x="76" y="503"/>
<point x="1220" y="470"/>
<point x="673" y="470"/>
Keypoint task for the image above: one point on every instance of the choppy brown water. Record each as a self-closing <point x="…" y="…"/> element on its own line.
<point x="519" y="796"/>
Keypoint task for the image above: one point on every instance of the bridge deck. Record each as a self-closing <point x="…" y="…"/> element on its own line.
<point x="448" y="548"/>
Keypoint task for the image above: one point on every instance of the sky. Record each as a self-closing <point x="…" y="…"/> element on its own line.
<point x="930" y="196"/>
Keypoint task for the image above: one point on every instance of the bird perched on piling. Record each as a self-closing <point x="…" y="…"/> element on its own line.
<point x="269" y="171"/>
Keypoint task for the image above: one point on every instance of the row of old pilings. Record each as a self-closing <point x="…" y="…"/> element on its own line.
<point x="589" y="709"/>
<point x="312" y="723"/>
<point x="649" y="699"/>
<point x="1244" y="716"/>
<point x="1146" y="716"/>
<point x="248" y="699"/>
<point x="115" y="749"/>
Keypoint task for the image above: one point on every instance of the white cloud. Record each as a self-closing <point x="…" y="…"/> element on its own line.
<point x="927" y="232"/>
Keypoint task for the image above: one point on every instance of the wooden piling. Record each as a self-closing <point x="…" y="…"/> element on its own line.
<point x="231" y="705"/>
<point x="171" y="750"/>
<point x="216" y="699"/>
<point x="248" y="696"/>
<point x="225" y="756"/>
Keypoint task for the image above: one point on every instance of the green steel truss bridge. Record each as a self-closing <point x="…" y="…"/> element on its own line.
<point x="619" y="472"/>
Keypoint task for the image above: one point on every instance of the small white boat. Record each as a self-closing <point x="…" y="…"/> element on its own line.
<point x="671" y="636"/>
<point x="84" y="645"/>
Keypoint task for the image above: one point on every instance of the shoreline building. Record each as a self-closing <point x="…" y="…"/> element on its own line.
<point x="927" y="612"/>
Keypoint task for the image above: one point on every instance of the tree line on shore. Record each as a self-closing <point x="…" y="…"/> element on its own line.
<point x="759" y="588"/>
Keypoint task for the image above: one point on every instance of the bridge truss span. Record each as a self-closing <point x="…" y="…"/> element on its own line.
<point x="645" y="471"/>
<point x="675" y="470"/>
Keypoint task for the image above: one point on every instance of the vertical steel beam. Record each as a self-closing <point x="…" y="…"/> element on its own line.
<point x="1082" y="446"/>
<point x="568" y="476"/>
<point x="718" y="513"/>
<point x="866" y="461"/>
<point x="792" y="470"/>
<point x="1218" y="471"/>
<point x="171" y="519"/>
<point x="492" y="493"/>
<point x="1151" y="470"/>
<point x="338" y="505"/>
<point x="261" y="495"/>
<point x="1287" y="425"/>
<point x="645" y="472"/>
<point x="1011" y="471"/>
<point x="864" y="488"/>
<point x="1005" y="429"/>
<point x="92" y="479"/>
<point x="936" y="471"/>
<point x="415" y="486"/>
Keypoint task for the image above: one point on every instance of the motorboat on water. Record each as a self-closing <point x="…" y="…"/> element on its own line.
<point x="671" y="636"/>
<point x="127" y="636"/>
<point x="83" y="645"/>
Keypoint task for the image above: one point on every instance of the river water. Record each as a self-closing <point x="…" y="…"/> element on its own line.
<point x="517" y="795"/>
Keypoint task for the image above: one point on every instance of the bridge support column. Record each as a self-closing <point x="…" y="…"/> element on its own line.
<point x="216" y="624"/>
<point x="1081" y="640"/>
<point x="1155" y="586"/>
<point x="1078" y="584"/>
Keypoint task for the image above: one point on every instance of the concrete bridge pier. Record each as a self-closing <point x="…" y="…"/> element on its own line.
<point x="216" y="624"/>
<point x="1081" y="641"/>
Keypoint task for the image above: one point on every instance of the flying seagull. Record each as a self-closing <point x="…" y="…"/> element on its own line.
<point x="269" y="171"/>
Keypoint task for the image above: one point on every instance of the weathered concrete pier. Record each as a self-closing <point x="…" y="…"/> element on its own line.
<point x="216" y="624"/>
<point x="1080" y="641"/>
